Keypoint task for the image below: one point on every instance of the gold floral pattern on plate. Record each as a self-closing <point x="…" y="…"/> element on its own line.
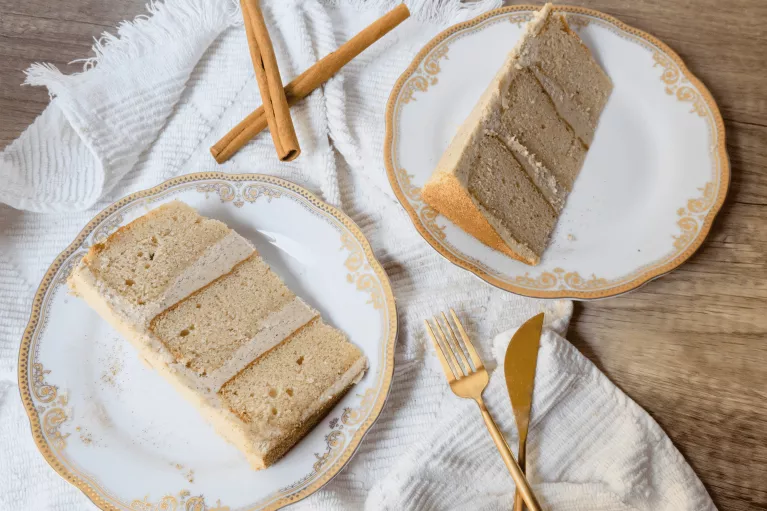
<point x="350" y="419"/>
<point x="237" y="194"/>
<point x="107" y="228"/>
<point x="334" y="441"/>
<point x="360" y="272"/>
<point x="560" y="278"/>
<point x="50" y="406"/>
<point x="44" y="392"/>
<point x="353" y="416"/>
<point x="678" y="85"/>
<point x="181" y="502"/>
<point x="426" y="76"/>
<point x="693" y="216"/>
<point x="225" y="191"/>
<point x="426" y="213"/>
<point x="520" y="19"/>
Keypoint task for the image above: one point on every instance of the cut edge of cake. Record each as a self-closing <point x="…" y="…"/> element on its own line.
<point x="447" y="189"/>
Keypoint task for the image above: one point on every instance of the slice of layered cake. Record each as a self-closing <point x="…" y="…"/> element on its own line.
<point x="203" y="309"/>
<point x="506" y="174"/>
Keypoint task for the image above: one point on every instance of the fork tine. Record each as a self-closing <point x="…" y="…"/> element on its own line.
<point x="459" y="372"/>
<point x="469" y="346"/>
<point x="455" y="344"/>
<point x="440" y="354"/>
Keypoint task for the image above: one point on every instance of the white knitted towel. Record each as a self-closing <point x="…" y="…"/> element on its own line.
<point x="148" y="107"/>
<point x="590" y="447"/>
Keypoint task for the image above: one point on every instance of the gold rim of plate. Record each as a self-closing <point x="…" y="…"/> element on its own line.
<point x="571" y="284"/>
<point x="84" y="482"/>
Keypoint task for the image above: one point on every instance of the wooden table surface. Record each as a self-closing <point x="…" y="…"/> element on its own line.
<point x="690" y="347"/>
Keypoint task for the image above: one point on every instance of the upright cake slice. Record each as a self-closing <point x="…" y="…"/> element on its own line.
<point x="209" y="314"/>
<point x="507" y="172"/>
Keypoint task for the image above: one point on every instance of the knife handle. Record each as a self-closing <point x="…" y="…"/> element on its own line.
<point x="522" y="459"/>
<point x="516" y="473"/>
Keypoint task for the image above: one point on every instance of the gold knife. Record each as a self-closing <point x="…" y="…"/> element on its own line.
<point x="519" y="369"/>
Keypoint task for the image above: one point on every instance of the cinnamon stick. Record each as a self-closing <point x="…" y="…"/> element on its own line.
<point x="308" y="81"/>
<point x="275" y="104"/>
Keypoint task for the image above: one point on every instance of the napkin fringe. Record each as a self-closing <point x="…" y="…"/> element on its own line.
<point x="43" y="73"/>
<point x="450" y="11"/>
<point x="165" y="22"/>
<point x="428" y="11"/>
<point x="157" y="80"/>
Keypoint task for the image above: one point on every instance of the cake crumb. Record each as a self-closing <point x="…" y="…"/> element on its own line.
<point x="570" y="237"/>
<point x="109" y="376"/>
<point x="100" y="413"/>
<point x="190" y="476"/>
<point x="85" y="437"/>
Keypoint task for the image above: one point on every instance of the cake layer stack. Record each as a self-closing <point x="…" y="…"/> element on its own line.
<point x="203" y="309"/>
<point x="506" y="174"/>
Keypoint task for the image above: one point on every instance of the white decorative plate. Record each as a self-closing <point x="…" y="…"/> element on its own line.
<point x="120" y="433"/>
<point x="652" y="182"/>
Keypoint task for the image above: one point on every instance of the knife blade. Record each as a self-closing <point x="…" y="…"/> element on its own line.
<point x="519" y="368"/>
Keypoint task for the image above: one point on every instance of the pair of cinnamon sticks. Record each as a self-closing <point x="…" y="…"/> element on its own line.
<point x="275" y="112"/>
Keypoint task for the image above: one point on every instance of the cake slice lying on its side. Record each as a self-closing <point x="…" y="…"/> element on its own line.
<point x="506" y="174"/>
<point x="205" y="311"/>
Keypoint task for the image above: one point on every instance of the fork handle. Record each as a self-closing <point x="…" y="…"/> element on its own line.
<point x="516" y="473"/>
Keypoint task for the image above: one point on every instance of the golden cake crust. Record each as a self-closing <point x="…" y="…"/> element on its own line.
<point x="445" y="193"/>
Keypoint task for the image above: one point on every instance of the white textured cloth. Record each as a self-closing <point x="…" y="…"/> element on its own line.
<point x="590" y="447"/>
<point x="148" y="107"/>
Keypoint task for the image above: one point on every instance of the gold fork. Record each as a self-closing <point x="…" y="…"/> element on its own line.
<point x="468" y="382"/>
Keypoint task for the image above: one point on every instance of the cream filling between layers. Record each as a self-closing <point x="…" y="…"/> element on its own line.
<point x="506" y="235"/>
<point x="216" y="260"/>
<point x="202" y="392"/>
<point x="157" y="356"/>
<point x="567" y="109"/>
<point x="274" y="329"/>
<point x="352" y="376"/>
<point x="459" y="157"/>
<point x="287" y="320"/>
<point x="543" y="179"/>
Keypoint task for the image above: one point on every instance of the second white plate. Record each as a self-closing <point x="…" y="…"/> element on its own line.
<point x="652" y="182"/>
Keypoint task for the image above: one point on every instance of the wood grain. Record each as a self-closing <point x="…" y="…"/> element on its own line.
<point x="691" y="347"/>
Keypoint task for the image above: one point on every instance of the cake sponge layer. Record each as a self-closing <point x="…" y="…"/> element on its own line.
<point x="142" y="259"/>
<point x="576" y="84"/>
<point x="530" y="117"/>
<point x="158" y="259"/>
<point x="206" y="329"/>
<point x="510" y="200"/>
<point x="283" y="394"/>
